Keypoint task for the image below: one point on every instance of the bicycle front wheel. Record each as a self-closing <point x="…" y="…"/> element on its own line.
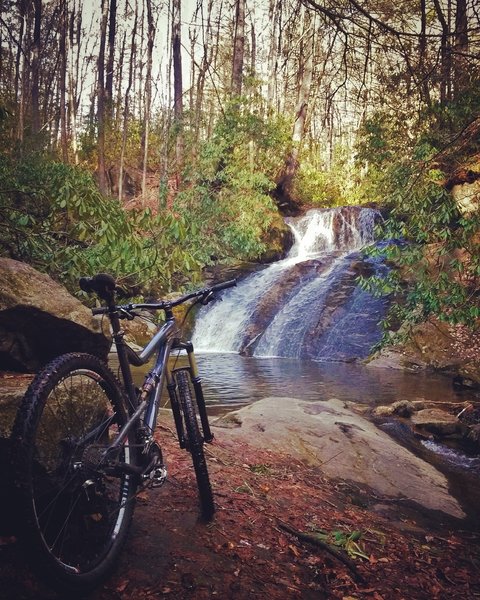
<point x="77" y="506"/>
<point x="194" y="442"/>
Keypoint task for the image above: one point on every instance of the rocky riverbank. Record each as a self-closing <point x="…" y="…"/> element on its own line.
<point x="344" y="445"/>
<point x="282" y="529"/>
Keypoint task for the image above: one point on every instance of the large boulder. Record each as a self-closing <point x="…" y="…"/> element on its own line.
<point x="437" y="346"/>
<point x="39" y="320"/>
<point x="345" y="445"/>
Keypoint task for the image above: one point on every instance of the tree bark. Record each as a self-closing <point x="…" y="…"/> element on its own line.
<point x="20" y="71"/>
<point x="422" y="48"/>
<point x="445" y="51"/>
<point x="112" y="26"/>
<point x="101" y="112"/>
<point x="238" y="48"/>
<point x="460" y="48"/>
<point x="63" y="80"/>
<point x="35" y="67"/>
<point x="283" y="190"/>
<point x="274" y="18"/>
<point x="126" y="106"/>
<point x="148" y="96"/>
<point x="177" y="85"/>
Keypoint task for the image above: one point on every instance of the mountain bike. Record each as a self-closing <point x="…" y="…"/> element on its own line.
<point x="83" y="443"/>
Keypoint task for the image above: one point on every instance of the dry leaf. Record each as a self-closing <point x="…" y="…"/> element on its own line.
<point x="122" y="586"/>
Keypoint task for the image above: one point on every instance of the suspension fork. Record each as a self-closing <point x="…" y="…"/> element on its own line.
<point x="177" y="417"/>
<point x="197" y="386"/>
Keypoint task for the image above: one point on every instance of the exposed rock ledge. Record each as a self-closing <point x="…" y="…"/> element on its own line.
<point x="345" y="445"/>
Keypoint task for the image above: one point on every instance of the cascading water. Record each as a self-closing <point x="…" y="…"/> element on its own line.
<point x="307" y="305"/>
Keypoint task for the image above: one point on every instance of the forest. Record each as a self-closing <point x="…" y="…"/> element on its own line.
<point x="153" y="138"/>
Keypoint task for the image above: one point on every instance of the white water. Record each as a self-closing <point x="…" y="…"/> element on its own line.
<point x="328" y="235"/>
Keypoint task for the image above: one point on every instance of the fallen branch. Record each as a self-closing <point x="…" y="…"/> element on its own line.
<point x="316" y="541"/>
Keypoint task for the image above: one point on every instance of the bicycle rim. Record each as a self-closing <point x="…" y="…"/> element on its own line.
<point x="78" y="508"/>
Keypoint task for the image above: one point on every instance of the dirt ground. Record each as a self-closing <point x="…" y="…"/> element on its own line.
<point x="249" y="550"/>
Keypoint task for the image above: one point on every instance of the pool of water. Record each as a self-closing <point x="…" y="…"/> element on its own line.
<point x="230" y="380"/>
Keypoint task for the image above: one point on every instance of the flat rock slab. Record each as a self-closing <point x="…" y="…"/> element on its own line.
<point x="345" y="445"/>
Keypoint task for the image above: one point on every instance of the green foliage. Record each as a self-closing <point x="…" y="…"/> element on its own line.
<point x="436" y="253"/>
<point x="348" y="541"/>
<point x="55" y="218"/>
<point x="321" y="186"/>
<point x="434" y="248"/>
<point x="317" y="187"/>
<point x="227" y="188"/>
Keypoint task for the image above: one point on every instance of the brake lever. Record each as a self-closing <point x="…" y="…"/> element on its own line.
<point x="208" y="298"/>
<point x="124" y="314"/>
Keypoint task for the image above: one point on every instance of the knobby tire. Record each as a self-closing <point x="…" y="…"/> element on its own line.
<point x="194" y="443"/>
<point x="75" y="513"/>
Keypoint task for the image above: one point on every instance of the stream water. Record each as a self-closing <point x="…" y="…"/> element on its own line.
<point x="307" y="305"/>
<point x="298" y="327"/>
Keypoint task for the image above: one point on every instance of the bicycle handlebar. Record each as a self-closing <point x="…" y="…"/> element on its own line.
<point x="104" y="286"/>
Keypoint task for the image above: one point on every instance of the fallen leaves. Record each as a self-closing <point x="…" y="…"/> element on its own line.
<point x="243" y="553"/>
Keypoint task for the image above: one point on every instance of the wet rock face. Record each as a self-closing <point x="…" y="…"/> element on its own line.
<point x="435" y="345"/>
<point x="39" y="320"/>
<point x="267" y="306"/>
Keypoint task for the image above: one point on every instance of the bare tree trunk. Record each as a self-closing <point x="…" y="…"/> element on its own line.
<point x="445" y="49"/>
<point x="177" y="84"/>
<point x="424" y="83"/>
<point x="207" y="42"/>
<point x="101" y="112"/>
<point x="126" y="107"/>
<point x="119" y="93"/>
<point x="20" y="70"/>
<point x="274" y="16"/>
<point x="253" y="54"/>
<point x="148" y="96"/>
<point x="460" y="49"/>
<point x="112" y="26"/>
<point x="63" y="80"/>
<point x="74" y="18"/>
<point x="238" y="48"/>
<point x="283" y="191"/>
<point x="35" y="66"/>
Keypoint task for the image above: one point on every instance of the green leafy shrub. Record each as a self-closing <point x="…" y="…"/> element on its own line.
<point x="227" y="190"/>
<point x="55" y="218"/>
<point x="434" y="248"/>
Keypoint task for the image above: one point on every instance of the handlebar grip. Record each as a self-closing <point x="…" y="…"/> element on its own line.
<point x="224" y="285"/>
<point x="85" y="284"/>
<point x="102" y="284"/>
<point x="99" y="311"/>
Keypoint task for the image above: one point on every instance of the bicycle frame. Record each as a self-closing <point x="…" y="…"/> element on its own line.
<point x="147" y="403"/>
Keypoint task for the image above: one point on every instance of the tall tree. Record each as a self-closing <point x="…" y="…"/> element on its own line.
<point x="35" y="65"/>
<point x="126" y="106"/>
<point x="101" y="96"/>
<point x="177" y="84"/>
<point x="63" y="33"/>
<point x="283" y="191"/>
<point x="460" y="47"/>
<point x="109" y="72"/>
<point x="148" y="94"/>
<point x="238" y="48"/>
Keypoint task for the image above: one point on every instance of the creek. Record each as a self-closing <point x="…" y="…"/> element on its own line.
<point x="301" y="327"/>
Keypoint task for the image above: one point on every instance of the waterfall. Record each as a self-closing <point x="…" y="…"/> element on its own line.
<point x="307" y="305"/>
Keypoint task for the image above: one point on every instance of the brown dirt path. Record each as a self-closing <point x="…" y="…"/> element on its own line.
<point x="245" y="553"/>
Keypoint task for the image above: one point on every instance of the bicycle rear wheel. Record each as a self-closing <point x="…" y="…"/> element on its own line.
<point x="194" y="442"/>
<point x="76" y="507"/>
